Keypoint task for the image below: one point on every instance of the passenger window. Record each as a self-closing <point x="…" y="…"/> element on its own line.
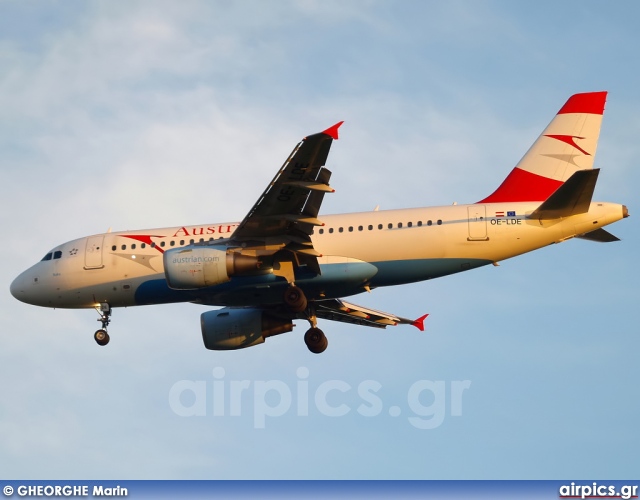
<point x="390" y="226"/>
<point x="439" y="222"/>
<point x="191" y="242"/>
<point x="181" y="242"/>
<point x="321" y="231"/>
<point x="429" y="223"/>
<point x="173" y="243"/>
<point x="419" y="223"/>
<point x="143" y="245"/>
<point x="379" y="226"/>
<point x="340" y="229"/>
<point x="124" y="247"/>
<point x="370" y="227"/>
<point x="113" y="248"/>
<point x="162" y="243"/>
<point x="47" y="257"/>
<point x="57" y="254"/>
<point x="330" y="230"/>
<point x="201" y="240"/>
<point x="409" y="224"/>
<point x="360" y="228"/>
<point x="399" y="224"/>
<point x="350" y="229"/>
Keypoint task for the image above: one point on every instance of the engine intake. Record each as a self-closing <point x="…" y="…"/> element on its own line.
<point x="198" y="267"/>
<point x="228" y="328"/>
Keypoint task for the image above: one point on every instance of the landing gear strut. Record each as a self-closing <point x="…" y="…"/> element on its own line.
<point x="101" y="336"/>
<point x="296" y="301"/>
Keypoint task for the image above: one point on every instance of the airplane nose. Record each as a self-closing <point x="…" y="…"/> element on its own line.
<point x="17" y="288"/>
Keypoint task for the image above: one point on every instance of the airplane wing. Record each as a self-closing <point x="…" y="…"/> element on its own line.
<point x="284" y="216"/>
<point x="340" y="310"/>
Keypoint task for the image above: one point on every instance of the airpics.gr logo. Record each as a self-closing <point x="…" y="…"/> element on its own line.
<point x="425" y="403"/>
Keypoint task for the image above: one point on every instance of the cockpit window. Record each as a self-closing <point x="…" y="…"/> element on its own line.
<point x="47" y="257"/>
<point x="57" y="254"/>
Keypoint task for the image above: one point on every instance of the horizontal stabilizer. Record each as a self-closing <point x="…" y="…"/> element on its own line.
<point x="573" y="197"/>
<point x="599" y="235"/>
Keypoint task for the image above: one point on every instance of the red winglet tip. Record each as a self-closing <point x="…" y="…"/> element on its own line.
<point x="333" y="131"/>
<point x="419" y="323"/>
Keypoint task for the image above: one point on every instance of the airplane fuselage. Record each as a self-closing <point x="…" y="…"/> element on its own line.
<point x="360" y="251"/>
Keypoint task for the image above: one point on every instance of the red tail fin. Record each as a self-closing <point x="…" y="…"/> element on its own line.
<point x="567" y="145"/>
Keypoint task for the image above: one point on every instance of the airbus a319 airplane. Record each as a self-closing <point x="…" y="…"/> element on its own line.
<point x="282" y="262"/>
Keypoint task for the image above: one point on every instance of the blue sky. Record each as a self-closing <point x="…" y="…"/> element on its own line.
<point x="150" y="114"/>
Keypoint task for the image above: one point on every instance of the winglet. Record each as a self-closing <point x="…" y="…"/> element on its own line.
<point x="333" y="131"/>
<point x="419" y="323"/>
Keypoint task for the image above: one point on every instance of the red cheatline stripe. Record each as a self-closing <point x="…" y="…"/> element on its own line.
<point x="521" y="185"/>
<point x="144" y="238"/>
<point x="590" y="102"/>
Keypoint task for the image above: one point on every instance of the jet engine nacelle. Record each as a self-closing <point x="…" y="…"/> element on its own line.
<point x="229" y="328"/>
<point x="198" y="267"/>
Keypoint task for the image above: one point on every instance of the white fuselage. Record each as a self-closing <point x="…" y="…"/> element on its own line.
<point x="403" y="246"/>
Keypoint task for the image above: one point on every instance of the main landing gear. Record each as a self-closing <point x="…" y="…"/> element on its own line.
<point x="296" y="301"/>
<point x="316" y="340"/>
<point x="101" y="336"/>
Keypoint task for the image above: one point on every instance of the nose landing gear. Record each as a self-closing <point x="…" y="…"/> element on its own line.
<point x="101" y="336"/>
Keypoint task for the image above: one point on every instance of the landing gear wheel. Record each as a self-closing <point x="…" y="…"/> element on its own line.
<point x="102" y="337"/>
<point x="316" y="340"/>
<point x="104" y="310"/>
<point x="295" y="299"/>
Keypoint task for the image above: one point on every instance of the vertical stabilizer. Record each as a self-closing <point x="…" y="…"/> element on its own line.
<point x="567" y="145"/>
